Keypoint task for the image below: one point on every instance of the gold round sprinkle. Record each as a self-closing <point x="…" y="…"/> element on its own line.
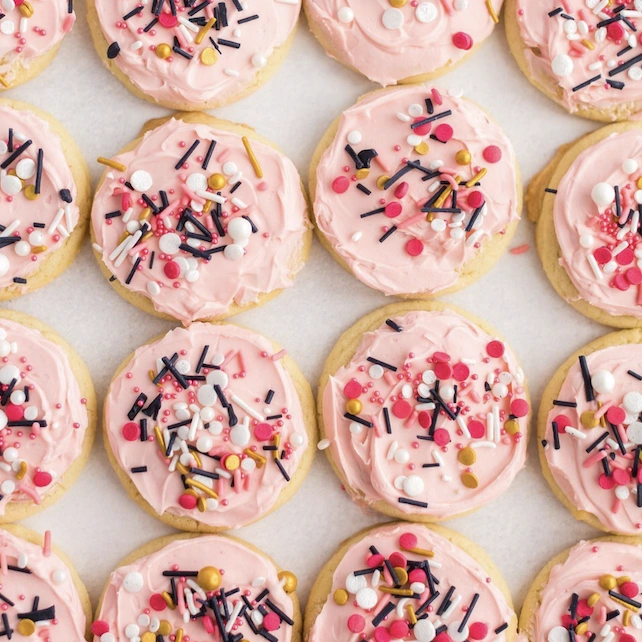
<point x="353" y="406"/>
<point x="341" y="597"/>
<point x="148" y="636"/>
<point x="26" y="627"/>
<point x="22" y="471"/>
<point x="163" y="50"/>
<point x="511" y="426"/>
<point x="469" y="480"/>
<point x="588" y="419"/>
<point x="208" y="578"/>
<point x="608" y="582"/>
<point x="165" y="628"/>
<point x="397" y="3"/>
<point x="216" y="181"/>
<point x="26" y="10"/>
<point x="422" y="148"/>
<point x="582" y="628"/>
<point x="463" y="157"/>
<point x="201" y="504"/>
<point x="593" y="599"/>
<point x="402" y="574"/>
<point x="30" y="192"/>
<point x="208" y="56"/>
<point x="467" y="456"/>
<point x="623" y="580"/>
<point x="232" y="462"/>
<point x="382" y="180"/>
<point x="639" y="183"/>
<point x="362" y="173"/>
<point x="289" y="581"/>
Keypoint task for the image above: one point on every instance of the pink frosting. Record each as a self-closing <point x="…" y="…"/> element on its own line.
<point x="223" y="270"/>
<point x="41" y="224"/>
<point x="435" y="351"/>
<point x="43" y="417"/>
<point x="39" y="33"/>
<point x="583" y="42"/>
<point x="599" y="256"/>
<point x="581" y="475"/>
<point x="418" y="256"/>
<point x="387" y="44"/>
<point x="245" y="40"/>
<point x="580" y="574"/>
<point x="456" y="576"/>
<point x="249" y="370"/>
<point x="132" y="601"/>
<point x="35" y="582"/>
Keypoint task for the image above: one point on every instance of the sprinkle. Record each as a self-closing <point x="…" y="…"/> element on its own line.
<point x="111" y="163"/>
<point x="253" y="159"/>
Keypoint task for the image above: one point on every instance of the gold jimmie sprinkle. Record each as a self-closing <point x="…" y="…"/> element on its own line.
<point x="111" y="163"/>
<point x="491" y="11"/>
<point x="253" y="159"/>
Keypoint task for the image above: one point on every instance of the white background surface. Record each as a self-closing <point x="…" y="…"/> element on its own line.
<point x="95" y="522"/>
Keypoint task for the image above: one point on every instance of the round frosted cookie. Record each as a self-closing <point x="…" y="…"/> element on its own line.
<point x="211" y="427"/>
<point x="410" y="582"/>
<point x="30" y="33"/>
<point x="193" y="55"/>
<point x="47" y="416"/>
<point x="200" y="218"/>
<point x="44" y="198"/>
<point x="584" y="54"/>
<point x="395" y="41"/>
<point x="590" y="433"/>
<point x="415" y="192"/>
<point x="42" y="594"/>
<point x="591" y="591"/>
<point x="199" y="588"/>
<point x="586" y="203"/>
<point x="423" y="412"/>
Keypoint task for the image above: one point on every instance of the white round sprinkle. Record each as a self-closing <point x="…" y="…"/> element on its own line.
<point x="562" y="65"/>
<point x="36" y="238"/>
<point x="367" y="598"/>
<point x="558" y="634"/>
<point x="428" y="377"/>
<point x="22" y="248"/>
<point x="133" y="582"/>
<point x="259" y="61"/>
<point x="438" y="225"/>
<point x="204" y="444"/>
<point x="240" y="435"/>
<point x="10" y="185"/>
<point x="354" y="137"/>
<point x="603" y="381"/>
<point x="248" y="465"/>
<point x="7" y="27"/>
<point x="9" y="373"/>
<point x="323" y="444"/>
<point x="355" y="428"/>
<point x="25" y="169"/>
<point x="413" y="485"/>
<point x="413" y="140"/>
<point x="196" y="182"/>
<point x="587" y="241"/>
<point x="7" y="487"/>
<point x="233" y="252"/>
<point x="3" y="421"/>
<point x="108" y="637"/>
<point x="132" y="630"/>
<point x="59" y="576"/>
<point x="424" y="631"/>
<point x="169" y="243"/>
<point x="10" y="454"/>
<point x="207" y="414"/>
<point x="5" y="347"/>
<point x="141" y="180"/>
<point x="192" y="276"/>
<point x="229" y="168"/>
<point x="415" y="110"/>
<point x="239" y="228"/>
<point x="402" y="456"/>
<point x="630" y="166"/>
<point x="355" y="583"/>
<point x="632" y="402"/>
<point x="216" y="427"/>
<point x="153" y="288"/>
<point x="376" y="371"/>
<point x="31" y="413"/>
<point x="18" y="397"/>
<point x="622" y="492"/>
<point x="345" y="15"/>
<point x="634" y="432"/>
<point x="454" y="634"/>
<point x="603" y="194"/>
<point x="392" y="18"/>
<point x="143" y="620"/>
<point x="427" y="12"/>
<point x="218" y="378"/>
<point x="297" y="440"/>
<point x="634" y="73"/>
<point x="499" y="390"/>
<point x="206" y="395"/>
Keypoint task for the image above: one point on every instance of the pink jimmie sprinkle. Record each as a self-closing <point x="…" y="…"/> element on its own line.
<point x="279" y="355"/>
<point x="46" y="545"/>
<point x="520" y="249"/>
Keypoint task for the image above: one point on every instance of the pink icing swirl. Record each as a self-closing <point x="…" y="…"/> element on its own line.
<point x="386" y="237"/>
<point x="32" y="227"/>
<point x="245" y="36"/>
<point x="43" y="418"/>
<point x="388" y="44"/>
<point x="581" y="475"/>
<point x="264" y="402"/>
<point x="457" y="581"/>
<point x="194" y="257"/>
<point x="245" y="576"/>
<point x="588" y="52"/>
<point x="428" y="458"/>
<point x="599" y="242"/>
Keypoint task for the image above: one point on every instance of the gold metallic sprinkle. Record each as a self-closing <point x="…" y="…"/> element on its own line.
<point x="511" y="427"/>
<point x="201" y="504"/>
<point x="582" y="628"/>
<point x="491" y="11"/>
<point x="477" y="177"/>
<point x="30" y="193"/>
<point x="3" y="82"/>
<point x="608" y="582"/>
<point x="469" y="480"/>
<point x="202" y="487"/>
<point x="467" y="456"/>
<point x="588" y="44"/>
<point x="26" y="10"/>
<point x="422" y="148"/>
<point x="420" y="551"/>
<point x="395" y="591"/>
<point x="411" y="614"/>
<point x="203" y="32"/>
<point x="209" y="578"/>
<point x="168" y="600"/>
<point x="159" y="439"/>
<point x="626" y="618"/>
<point x="593" y="599"/>
<point x="382" y="180"/>
<point x="179" y="636"/>
<point x="111" y="163"/>
<point x="588" y="420"/>
<point x="341" y="597"/>
<point x="463" y="157"/>
<point x="259" y="459"/>
<point x="362" y="173"/>
<point x="165" y="628"/>
<point x="250" y="152"/>
<point x="22" y="471"/>
<point x="354" y="406"/>
<point x="163" y="50"/>
<point x="289" y="581"/>
<point x="232" y="462"/>
<point x="26" y="627"/>
<point x="209" y="56"/>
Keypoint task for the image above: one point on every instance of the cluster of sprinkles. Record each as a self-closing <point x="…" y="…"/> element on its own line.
<point x="175" y="30"/>
<point x="206" y="606"/>
<point x="208" y="434"/>
<point x="427" y="407"/>
<point x="21" y="28"/>
<point x="174" y="229"/>
<point x="403" y="596"/>
<point x="609" y="429"/>
<point x="455" y="206"/>
<point x="24" y="178"/>
<point x="602" y="38"/>
<point x="604" y="608"/>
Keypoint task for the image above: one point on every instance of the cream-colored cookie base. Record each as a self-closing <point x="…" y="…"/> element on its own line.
<point x="56" y="262"/>
<point x="24" y="74"/>
<point x="552" y="391"/>
<point x="15" y="512"/>
<point x="342" y="354"/>
<point x="533" y="600"/>
<point x="419" y="78"/>
<point x="262" y="75"/>
<point x="492" y="249"/>
<point x="38" y="539"/>
<point x="143" y="302"/>
<point x="619" y="112"/>
<point x="323" y="585"/>
<point x="159" y="543"/>
<point x="306" y="399"/>
<point x="540" y="205"/>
